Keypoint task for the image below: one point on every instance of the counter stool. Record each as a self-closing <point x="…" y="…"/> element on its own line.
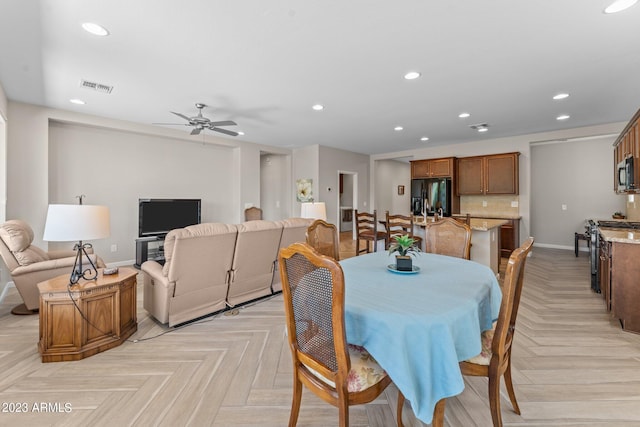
<point x="581" y="236"/>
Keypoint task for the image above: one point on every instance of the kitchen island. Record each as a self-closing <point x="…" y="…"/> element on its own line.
<point x="485" y="239"/>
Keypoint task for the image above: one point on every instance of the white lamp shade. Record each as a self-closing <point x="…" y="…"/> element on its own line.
<point x="315" y="210"/>
<point x="70" y="223"/>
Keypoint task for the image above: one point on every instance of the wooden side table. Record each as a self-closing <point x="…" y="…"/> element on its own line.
<point x="102" y="316"/>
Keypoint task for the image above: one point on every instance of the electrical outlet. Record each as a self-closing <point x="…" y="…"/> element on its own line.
<point x="114" y="248"/>
<point x="564" y="207"/>
<point x="514" y="204"/>
<point x="484" y="203"/>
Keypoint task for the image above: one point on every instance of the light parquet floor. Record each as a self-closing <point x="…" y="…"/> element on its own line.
<point x="573" y="366"/>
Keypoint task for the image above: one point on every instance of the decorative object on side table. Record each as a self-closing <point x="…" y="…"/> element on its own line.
<point x="618" y="215"/>
<point x="405" y="246"/>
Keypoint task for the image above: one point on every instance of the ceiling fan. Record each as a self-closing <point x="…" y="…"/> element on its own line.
<point x="199" y="123"/>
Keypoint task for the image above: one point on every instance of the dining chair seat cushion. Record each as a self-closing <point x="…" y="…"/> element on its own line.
<point x="365" y="371"/>
<point x="484" y="358"/>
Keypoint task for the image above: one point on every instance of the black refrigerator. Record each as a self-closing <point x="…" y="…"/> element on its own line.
<point x="431" y="194"/>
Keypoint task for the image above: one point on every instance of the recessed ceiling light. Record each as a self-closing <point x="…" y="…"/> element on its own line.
<point x="563" y="117"/>
<point x="412" y="75"/>
<point x="619" y="6"/>
<point x="424" y="138"/>
<point x="318" y="107"/>
<point x="464" y="115"/>
<point x="398" y="128"/>
<point x="561" y="96"/>
<point x="77" y="101"/>
<point x="483" y="129"/>
<point x="95" y="29"/>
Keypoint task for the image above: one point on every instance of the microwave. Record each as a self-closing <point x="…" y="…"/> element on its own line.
<point x="625" y="175"/>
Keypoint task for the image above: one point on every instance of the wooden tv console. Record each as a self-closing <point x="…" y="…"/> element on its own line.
<point x="101" y="315"/>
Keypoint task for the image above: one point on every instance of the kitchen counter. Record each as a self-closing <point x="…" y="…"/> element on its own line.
<point x="621" y="236"/>
<point x="485" y="239"/>
<point x="488" y="216"/>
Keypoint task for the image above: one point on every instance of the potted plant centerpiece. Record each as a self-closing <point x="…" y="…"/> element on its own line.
<point x="405" y="246"/>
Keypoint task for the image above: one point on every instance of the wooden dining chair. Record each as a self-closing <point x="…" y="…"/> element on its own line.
<point x="448" y="237"/>
<point x="400" y="225"/>
<point x="323" y="237"/>
<point x="366" y="225"/>
<point x="495" y="359"/>
<point x="252" y="214"/>
<point x="339" y="373"/>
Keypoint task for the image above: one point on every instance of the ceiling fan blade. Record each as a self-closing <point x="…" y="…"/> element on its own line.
<point x="182" y="115"/>
<point x="223" y="123"/>
<point x="227" y="132"/>
<point x="196" y="131"/>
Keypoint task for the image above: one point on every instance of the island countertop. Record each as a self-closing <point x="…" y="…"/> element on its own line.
<point x="477" y="224"/>
<point x="621" y="236"/>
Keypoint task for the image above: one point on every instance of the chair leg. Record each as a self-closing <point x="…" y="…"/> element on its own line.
<point x="357" y="245"/>
<point x="400" y="406"/>
<point x="510" y="390"/>
<point x="295" y="403"/>
<point x="438" y="414"/>
<point x="343" y="412"/>
<point x="494" y="400"/>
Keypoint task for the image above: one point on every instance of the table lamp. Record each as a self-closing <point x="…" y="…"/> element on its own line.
<point x="315" y="210"/>
<point x="70" y="223"/>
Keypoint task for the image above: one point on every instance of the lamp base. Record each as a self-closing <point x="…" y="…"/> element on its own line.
<point x="91" y="273"/>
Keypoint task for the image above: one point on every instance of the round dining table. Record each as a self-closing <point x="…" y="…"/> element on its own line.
<point x="420" y="325"/>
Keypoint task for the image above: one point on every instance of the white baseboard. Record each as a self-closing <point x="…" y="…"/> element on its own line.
<point x="568" y="248"/>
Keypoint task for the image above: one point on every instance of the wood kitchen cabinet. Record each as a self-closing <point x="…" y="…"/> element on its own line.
<point x="619" y="272"/>
<point x="494" y="174"/>
<point x="509" y="237"/>
<point x="433" y="168"/>
<point x="628" y="145"/>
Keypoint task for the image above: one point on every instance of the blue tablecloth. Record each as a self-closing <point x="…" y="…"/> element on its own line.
<point x="419" y="326"/>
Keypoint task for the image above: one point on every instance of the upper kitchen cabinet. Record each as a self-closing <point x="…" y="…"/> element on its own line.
<point x="626" y="169"/>
<point x="494" y="174"/>
<point x="432" y="168"/>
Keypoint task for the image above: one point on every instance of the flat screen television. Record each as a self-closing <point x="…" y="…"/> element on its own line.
<point x="156" y="217"/>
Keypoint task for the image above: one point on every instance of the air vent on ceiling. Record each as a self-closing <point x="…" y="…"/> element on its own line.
<point x="479" y="126"/>
<point x="98" y="87"/>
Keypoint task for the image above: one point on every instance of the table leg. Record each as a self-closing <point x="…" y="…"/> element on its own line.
<point x="438" y="414"/>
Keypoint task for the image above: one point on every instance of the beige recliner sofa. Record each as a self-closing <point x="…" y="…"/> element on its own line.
<point x="212" y="266"/>
<point x="30" y="265"/>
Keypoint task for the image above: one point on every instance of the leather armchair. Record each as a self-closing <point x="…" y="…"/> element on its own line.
<point x="30" y="265"/>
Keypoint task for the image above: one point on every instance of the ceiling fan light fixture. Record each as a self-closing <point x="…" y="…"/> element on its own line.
<point x="619" y="6"/>
<point x="412" y="75"/>
<point x="484" y="129"/>
<point x="480" y="127"/>
<point x="95" y="29"/>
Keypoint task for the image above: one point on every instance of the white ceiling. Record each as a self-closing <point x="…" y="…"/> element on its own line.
<point x="264" y="64"/>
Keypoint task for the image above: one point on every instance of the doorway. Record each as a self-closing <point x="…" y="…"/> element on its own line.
<point x="347" y="200"/>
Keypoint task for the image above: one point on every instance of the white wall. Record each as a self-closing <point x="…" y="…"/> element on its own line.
<point x="577" y="174"/>
<point x="305" y="166"/>
<point x="3" y="155"/>
<point x="116" y="168"/>
<point x="389" y="175"/>
<point x="332" y="161"/>
<point x="231" y="175"/>
<point x="520" y="144"/>
<point x="275" y="176"/>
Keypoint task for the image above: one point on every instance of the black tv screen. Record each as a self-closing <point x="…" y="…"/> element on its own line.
<point x="156" y="217"/>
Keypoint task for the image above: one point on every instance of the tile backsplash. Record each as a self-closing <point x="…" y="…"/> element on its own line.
<point x="501" y="206"/>
<point x="633" y="207"/>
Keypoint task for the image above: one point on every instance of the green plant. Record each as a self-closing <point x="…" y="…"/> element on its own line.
<point x="404" y="245"/>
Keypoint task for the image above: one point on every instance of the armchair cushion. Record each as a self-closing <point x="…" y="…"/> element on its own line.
<point x="16" y="234"/>
<point x="31" y="255"/>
